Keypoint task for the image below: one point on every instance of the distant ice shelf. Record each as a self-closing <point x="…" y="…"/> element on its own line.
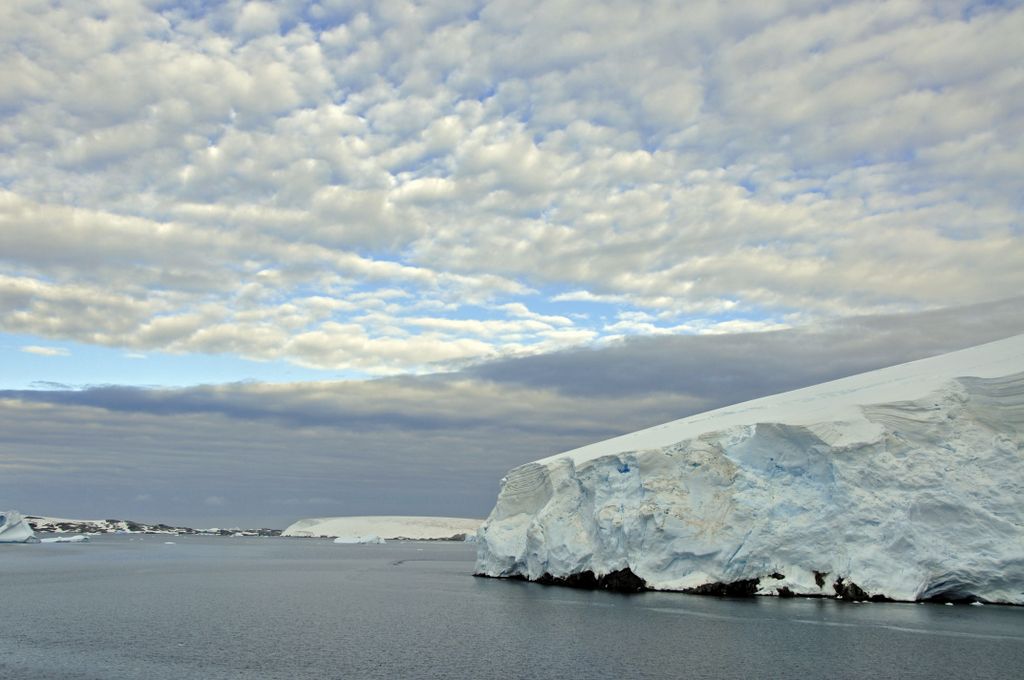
<point x="904" y="483"/>
<point x="385" y="527"/>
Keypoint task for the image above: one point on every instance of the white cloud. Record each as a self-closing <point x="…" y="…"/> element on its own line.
<point x="257" y="18"/>
<point x="46" y="351"/>
<point x="518" y="309"/>
<point x="720" y="166"/>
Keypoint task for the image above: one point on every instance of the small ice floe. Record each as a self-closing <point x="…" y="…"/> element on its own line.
<point x="169" y="543"/>
<point x="65" y="539"/>
<point x="949" y="604"/>
<point x="977" y="604"/>
<point x="369" y="538"/>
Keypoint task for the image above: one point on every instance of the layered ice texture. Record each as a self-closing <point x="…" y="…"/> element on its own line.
<point x="904" y="483"/>
<point x="14" y="528"/>
<point x="379" y="528"/>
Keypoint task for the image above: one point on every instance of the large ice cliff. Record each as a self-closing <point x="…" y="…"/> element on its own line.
<point x="904" y="483"/>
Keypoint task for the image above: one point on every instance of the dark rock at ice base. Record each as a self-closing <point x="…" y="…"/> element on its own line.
<point x="848" y="590"/>
<point x="622" y="581"/>
<point x="743" y="588"/>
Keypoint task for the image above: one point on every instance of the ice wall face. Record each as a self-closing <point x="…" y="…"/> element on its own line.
<point x="14" y="528"/>
<point x="904" y="498"/>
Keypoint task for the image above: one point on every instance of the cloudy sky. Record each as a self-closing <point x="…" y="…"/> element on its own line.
<point x="260" y="261"/>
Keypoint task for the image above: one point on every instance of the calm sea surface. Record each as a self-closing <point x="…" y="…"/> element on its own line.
<point x="121" y="607"/>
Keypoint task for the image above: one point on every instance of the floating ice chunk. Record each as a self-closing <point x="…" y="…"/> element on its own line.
<point x="15" y="529"/>
<point x="65" y="539"/>
<point x="349" y="540"/>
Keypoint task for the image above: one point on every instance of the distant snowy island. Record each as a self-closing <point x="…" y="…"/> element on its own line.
<point x="113" y="526"/>
<point x="903" y="483"/>
<point x="377" y="529"/>
<point x="18" y="528"/>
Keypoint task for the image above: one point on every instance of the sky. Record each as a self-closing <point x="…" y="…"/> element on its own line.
<point x="263" y="261"/>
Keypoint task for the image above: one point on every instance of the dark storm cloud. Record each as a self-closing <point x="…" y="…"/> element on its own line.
<point x="414" y="445"/>
<point x="711" y="369"/>
<point x="401" y="404"/>
<point x="293" y="405"/>
<point x="724" y="369"/>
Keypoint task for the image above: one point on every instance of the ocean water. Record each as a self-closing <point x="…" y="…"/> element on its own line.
<point x="121" y="607"/>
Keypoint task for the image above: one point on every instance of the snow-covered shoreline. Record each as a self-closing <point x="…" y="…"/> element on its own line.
<point x="902" y="483"/>
<point x="44" y="524"/>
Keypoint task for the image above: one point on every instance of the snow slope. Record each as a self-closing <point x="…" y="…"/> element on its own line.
<point x="14" y="528"/>
<point x="906" y="482"/>
<point x="385" y="527"/>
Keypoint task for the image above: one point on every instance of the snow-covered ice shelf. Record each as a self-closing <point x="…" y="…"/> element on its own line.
<point x="354" y="529"/>
<point x="904" y="483"/>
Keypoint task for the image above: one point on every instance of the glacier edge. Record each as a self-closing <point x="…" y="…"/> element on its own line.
<point x="905" y="499"/>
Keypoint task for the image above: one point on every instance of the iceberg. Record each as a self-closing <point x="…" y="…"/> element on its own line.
<point x="902" y="483"/>
<point x="386" y="527"/>
<point x="14" y="528"/>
